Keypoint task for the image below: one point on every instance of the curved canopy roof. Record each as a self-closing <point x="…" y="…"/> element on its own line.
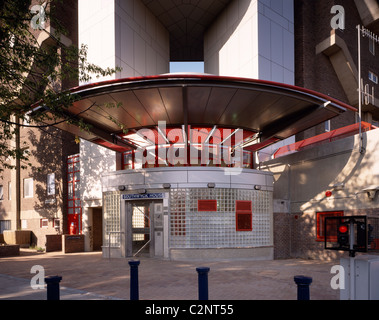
<point x="274" y="111"/>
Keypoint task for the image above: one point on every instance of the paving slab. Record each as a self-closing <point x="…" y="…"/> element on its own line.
<point x="89" y="276"/>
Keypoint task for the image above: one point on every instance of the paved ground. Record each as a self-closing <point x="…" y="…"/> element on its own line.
<point x="88" y="276"/>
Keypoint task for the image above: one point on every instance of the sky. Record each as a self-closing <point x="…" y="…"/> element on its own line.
<point x="197" y="67"/>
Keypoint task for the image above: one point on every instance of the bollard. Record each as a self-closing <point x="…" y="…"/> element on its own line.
<point x="203" y="282"/>
<point x="53" y="287"/>
<point x="134" y="294"/>
<point x="303" y="284"/>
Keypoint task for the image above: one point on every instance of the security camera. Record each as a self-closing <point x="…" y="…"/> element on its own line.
<point x="371" y="192"/>
<point x="338" y="186"/>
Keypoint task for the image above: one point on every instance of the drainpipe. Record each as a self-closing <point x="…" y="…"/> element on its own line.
<point x="18" y="178"/>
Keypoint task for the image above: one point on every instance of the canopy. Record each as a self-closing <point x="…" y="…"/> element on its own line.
<point x="270" y="111"/>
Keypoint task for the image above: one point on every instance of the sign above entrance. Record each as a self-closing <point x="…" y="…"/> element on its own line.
<point x="142" y="196"/>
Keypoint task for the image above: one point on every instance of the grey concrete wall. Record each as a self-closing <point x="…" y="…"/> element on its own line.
<point x="300" y="184"/>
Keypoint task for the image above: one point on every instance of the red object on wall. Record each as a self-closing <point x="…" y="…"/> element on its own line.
<point x="331" y="233"/>
<point x="74" y="214"/>
<point x="244" y="216"/>
<point x="72" y="228"/>
<point x="207" y="205"/>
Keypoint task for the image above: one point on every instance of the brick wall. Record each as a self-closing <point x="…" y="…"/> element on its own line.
<point x="49" y="148"/>
<point x="53" y="242"/>
<point x="282" y="236"/>
<point x="315" y="71"/>
<point x="303" y="239"/>
<point x="295" y="235"/>
<point x="72" y="243"/>
<point x="9" y="250"/>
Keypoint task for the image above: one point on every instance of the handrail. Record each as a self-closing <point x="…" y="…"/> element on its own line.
<point x="143" y="247"/>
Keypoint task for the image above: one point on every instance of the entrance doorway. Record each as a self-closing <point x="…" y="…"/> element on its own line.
<point x="144" y="228"/>
<point x="97" y="229"/>
<point x="141" y="228"/>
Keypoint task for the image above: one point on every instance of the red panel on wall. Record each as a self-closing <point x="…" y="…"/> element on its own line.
<point x="244" y="216"/>
<point x="207" y="205"/>
<point x="243" y="205"/>
<point x="320" y="217"/>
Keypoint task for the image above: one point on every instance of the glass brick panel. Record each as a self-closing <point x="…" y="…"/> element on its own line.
<point x="190" y="228"/>
<point x="112" y="219"/>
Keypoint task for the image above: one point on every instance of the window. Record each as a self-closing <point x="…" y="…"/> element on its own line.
<point x="244" y="216"/>
<point x="327" y="126"/>
<point x="371" y="46"/>
<point x="44" y="223"/>
<point x="9" y="190"/>
<point x="206" y="205"/>
<point x="320" y="217"/>
<point x="5" y="225"/>
<point x="57" y="223"/>
<point x="50" y="184"/>
<point x="28" y="188"/>
<point x="373" y="77"/>
<point x="1" y="193"/>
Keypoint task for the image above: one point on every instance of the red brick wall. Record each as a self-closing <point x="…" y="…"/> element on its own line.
<point x="295" y="235"/>
<point x="72" y="243"/>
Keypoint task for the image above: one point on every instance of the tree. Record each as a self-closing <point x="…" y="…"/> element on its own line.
<point x="35" y="72"/>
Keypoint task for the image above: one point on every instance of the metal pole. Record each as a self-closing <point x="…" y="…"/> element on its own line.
<point x="360" y="90"/>
<point x="53" y="287"/>
<point x="303" y="284"/>
<point x="352" y="260"/>
<point x="203" y="282"/>
<point x="134" y="291"/>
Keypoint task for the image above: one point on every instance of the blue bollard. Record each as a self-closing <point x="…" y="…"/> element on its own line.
<point x="134" y="291"/>
<point x="203" y="282"/>
<point x="52" y="283"/>
<point x="303" y="284"/>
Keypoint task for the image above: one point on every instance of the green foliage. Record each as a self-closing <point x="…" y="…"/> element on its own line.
<point x="33" y="73"/>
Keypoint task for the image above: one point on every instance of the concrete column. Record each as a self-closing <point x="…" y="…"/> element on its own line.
<point x="87" y="228"/>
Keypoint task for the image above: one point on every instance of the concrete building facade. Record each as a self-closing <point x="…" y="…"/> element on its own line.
<point x="34" y="195"/>
<point x="136" y="36"/>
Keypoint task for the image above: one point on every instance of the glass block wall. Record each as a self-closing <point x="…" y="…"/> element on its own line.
<point x="191" y="228"/>
<point x="112" y="222"/>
